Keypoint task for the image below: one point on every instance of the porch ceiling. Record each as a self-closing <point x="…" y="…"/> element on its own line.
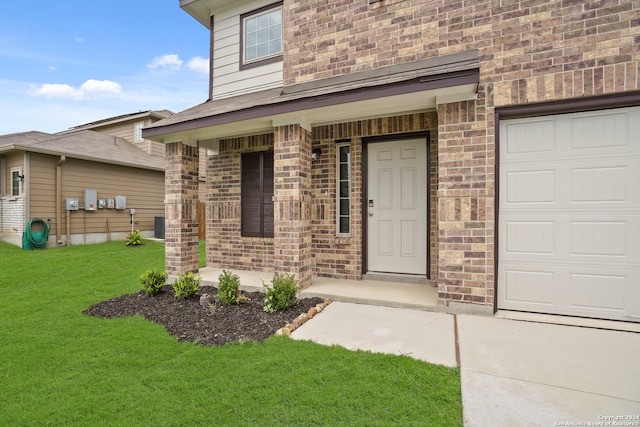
<point x="396" y="90"/>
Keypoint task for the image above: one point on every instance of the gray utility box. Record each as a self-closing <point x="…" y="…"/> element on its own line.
<point x="90" y="200"/>
<point x="71" y="204"/>
<point x="121" y="202"/>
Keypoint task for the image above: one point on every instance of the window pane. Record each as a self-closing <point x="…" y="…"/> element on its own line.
<point x="263" y="36"/>
<point x="275" y="17"/>
<point x="263" y="49"/>
<point x="344" y="189"/>
<point x="344" y="206"/>
<point x="250" y="25"/>
<point x="344" y="154"/>
<point x="250" y="53"/>
<point x="344" y="225"/>
<point x="263" y="21"/>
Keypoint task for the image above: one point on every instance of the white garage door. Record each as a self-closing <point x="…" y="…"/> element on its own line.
<point x="569" y="215"/>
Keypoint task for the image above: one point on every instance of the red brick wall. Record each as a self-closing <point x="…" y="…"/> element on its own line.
<point x="530" y="51"/>
<point x="226" y="248"/>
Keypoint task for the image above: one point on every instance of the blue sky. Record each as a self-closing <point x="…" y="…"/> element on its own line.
<point x="68" y="62"/>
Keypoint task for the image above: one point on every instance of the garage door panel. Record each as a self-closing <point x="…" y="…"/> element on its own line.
<point x="569" y="215"/>
<point x="600" y="184"/>
<point x="557" y="289"/>
<point x="595" y="291"/>
<point x="599" y="238"/>
<point x="532" y="186"/>
<point x="532" y="137"/>
<point x="598" y="130"/>
<point x="529" y="286"/>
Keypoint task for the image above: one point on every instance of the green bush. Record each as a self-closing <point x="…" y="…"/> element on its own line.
<point x="134" y="239"/>
<point x="153" y="281"/>
<point x="281" y="293"/>
<point x="228" y="284"/>
<point x="186" y="284"/>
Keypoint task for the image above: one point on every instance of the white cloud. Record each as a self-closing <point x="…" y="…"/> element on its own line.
<point x="105" y="86"/>
<point x="166" y="62"/>
<point x="57" y="91"/>
<point x="201" y="65"/>
<point x="65" y="91"/>
<point x="78" y="39"/>
<point x="52" y="68"/>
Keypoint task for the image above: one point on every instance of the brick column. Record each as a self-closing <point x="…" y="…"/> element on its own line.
<point x="181" y="208"/>
<point x="292" y="202"/>
<point x="466" y="188"/>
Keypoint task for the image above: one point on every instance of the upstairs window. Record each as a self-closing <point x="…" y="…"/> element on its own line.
<point x="257" y="194"/>
<point x="261" y="34"/>
<point x="138" y="132"/>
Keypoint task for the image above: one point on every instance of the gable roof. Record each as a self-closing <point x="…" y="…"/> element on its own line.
<point x="155" y="114"/>
<point x="83" y="145"/>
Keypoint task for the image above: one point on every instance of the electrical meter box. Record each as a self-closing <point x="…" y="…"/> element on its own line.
<point x="90" y="200"/>
<point x="121" y="202"/>
<point x="71" y="204"/>
<point x="102" y="204"/>
<point x="111" y="204"/>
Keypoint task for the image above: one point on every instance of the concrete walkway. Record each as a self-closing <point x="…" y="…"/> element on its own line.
<point x="529" y="371"/>
<point x="513" y="373"/>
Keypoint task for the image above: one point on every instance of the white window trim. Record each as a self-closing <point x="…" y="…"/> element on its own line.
<point x="338" y="178"/>
<point x="17" y="170"/>
<point x="262" y="59"/>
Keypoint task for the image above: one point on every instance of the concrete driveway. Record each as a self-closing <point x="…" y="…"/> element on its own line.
<point x="512" y="372"/>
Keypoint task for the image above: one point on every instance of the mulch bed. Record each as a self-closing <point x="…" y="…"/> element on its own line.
<point x="215" y="324"/>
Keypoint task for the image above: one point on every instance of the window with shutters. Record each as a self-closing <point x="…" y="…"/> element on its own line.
<point x="257" y="194"/>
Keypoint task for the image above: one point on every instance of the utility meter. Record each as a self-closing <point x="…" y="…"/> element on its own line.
<point x="71" y="204"/>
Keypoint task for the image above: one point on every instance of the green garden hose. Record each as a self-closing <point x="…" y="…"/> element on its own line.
<point x="38" y="239"/>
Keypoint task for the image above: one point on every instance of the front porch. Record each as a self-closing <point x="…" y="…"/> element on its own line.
<point x="373" y="292"/>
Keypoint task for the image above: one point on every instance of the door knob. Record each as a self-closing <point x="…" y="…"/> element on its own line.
<point x="370" y="213"/>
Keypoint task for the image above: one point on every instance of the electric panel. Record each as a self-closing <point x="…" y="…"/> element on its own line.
<point x="111" y="204"/>
<point x="90" y="200"/>
<point x="121" y="202"/>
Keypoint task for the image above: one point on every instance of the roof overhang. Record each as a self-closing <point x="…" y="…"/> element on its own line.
<point x="383" y="92"/>
<point x="30" y="149"/>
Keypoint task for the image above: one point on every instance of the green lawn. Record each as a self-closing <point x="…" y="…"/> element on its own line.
<point x="61" y="368"/>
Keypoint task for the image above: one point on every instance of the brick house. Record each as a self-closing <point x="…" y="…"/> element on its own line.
<point x="490" y="147"/>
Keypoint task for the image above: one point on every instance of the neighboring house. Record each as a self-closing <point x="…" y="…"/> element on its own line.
<point x="129" y="127"/>
<point x="490" y="147"/>
<point x="41" y="173"/>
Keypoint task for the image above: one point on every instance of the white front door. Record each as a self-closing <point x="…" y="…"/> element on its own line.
<point x="397" y="207"/>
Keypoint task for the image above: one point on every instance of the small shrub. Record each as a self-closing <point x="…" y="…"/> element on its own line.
<point x="228" y="288"/>
<point x="134" y="239"/>
<point x="153" y="281"/>
<point x="186" y="285"/>
<point x="281" y="293"/>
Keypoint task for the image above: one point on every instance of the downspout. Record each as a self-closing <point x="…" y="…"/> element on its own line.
<point x="211" y="47"/>
<point x="58" y="197"/>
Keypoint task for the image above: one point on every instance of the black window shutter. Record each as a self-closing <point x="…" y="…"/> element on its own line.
<point x="256" y="195"/>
